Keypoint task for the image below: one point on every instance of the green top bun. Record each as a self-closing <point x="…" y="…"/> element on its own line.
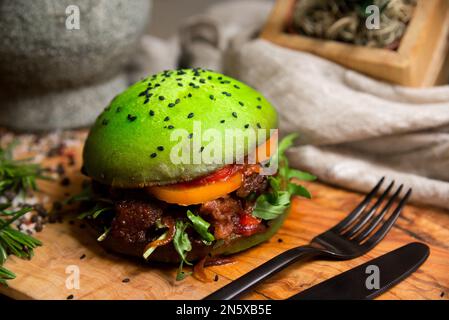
<point x="130" y="143"/>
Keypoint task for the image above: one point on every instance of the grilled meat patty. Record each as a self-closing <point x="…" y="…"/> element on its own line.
<point x="135" y="215"/>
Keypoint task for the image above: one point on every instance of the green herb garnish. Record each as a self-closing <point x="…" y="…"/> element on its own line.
<point x="101" y="205"/>
<point x="12" y="241"/>
<point x="182" y="245"/>
<point x="270" y="205"/>
<point x="16" y="177"/>
<point x="201" y="226"/>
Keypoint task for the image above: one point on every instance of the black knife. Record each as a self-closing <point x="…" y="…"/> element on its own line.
<point x="370" y="279"/>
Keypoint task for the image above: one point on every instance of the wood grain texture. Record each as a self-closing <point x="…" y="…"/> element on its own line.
<point x="419" y="61"/>
<point x="101" y="273"/>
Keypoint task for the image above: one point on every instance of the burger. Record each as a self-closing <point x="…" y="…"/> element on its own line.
<point x="184" y="166"/>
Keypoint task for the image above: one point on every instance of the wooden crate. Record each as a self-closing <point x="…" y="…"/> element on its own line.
<point x="420" y="61"/>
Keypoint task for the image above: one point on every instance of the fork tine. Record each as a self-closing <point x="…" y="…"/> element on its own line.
<point x="381" y="233"/>
<point x="359" y="209"/>
<point x="375" y="221"/>
<point x="360" y="223"/>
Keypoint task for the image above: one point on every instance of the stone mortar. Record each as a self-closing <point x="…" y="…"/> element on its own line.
<point x="55" y="78"/>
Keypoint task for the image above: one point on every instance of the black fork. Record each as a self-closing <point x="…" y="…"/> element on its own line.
<point x="352" y="237"/>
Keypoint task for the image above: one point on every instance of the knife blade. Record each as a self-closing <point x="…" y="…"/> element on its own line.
<point x="370" y="279"/>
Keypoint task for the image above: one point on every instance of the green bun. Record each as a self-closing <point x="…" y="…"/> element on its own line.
<point x="129" y="145"/>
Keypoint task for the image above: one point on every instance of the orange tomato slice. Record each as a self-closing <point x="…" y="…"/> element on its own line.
<point x="195" y="194"/>
<point x="211" y="187"/>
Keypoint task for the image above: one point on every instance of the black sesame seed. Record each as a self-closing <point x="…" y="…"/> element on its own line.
<point x="160" y="148"/>
<point x="105" y="122"/>
<point x="131" y="117"/>
<point x="171" y="105"/>
<point x="209" y="77"/>
<point x="190" y="115"/>
<point x="170" y="127"/>
<point x="118" y="109"/>
<point x="216" y="278"/>
<point x="151" y="113"/>
<point x="180" y="85"/>
<point x="82" y="257"/>
<point x="143" y="93"/>
<point x="202" y="81"/>
<point x="126" y="280"/>
<point x="157" y="85"/>
<point x="258" y="125"/>
<point x="190" y="136"/>
<point x="259" y="98"/>
<point x="65" y="182"/>
<point x="166" y="118"/>
<point x="227" y="94"/>
<point x="189" y="95"/>
<point x="201" y="149"/>
<point x="153" y="155"/>
<point x="236" y="86"/>
<point x="234" y="114"/>
<point x="246" y="126"/>
<point x="222" y="121"/>
<point x="146" y="101"/>
<point x="241" y="103"/>
<point x="162" y="98"/>
<point x="280" y="240"/>
<point x="259" y="107"/>
<point x="211" y="97"/>
<point x="70" y="297"/>
<point x="220" y="78"/>
<point x="177" y="101"/>
<point x="178" y="79"/>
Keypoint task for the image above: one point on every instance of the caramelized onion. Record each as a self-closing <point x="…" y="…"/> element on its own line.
<point x="199" y="272"/>
<point x="170" y="224"/>
<point x="218" y="261"/>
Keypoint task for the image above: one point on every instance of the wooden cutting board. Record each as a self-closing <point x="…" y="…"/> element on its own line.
<point x="68" y="244"/>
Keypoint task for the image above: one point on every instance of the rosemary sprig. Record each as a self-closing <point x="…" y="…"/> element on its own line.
<point x="12" y="241"/>
<point x="16" y="177"/>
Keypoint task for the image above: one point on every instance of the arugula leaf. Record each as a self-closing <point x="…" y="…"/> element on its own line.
<point x="268" y="209"/>
<point x="287" y="142"/>
<point x="182" y="245"/>
<point x="104" y="234"/>
<point x="298" y="190"/>
<point x="301" y="175"/>
<point x="94" y="212"/>
<point x="200" y="225"/>
<point x="271" y="205"/>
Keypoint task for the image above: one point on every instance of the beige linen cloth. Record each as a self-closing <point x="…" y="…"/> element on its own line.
<point x="353" y="129"/>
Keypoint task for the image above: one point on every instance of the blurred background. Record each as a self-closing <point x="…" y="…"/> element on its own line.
<point x="364" y="82"/>
<point x="177" y="10"/>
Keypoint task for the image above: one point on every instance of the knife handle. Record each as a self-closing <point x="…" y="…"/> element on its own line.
<point x="255" y="276"/>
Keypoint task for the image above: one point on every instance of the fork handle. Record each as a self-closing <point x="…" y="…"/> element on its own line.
<point x="255" y="276"/>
